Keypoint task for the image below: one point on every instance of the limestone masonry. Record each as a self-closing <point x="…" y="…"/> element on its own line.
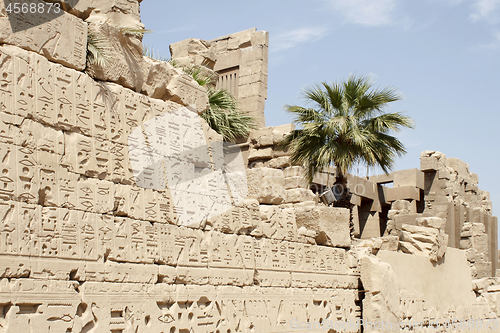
<point x="122" y="211"/>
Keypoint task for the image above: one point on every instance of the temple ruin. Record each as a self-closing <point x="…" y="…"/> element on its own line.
<point x="122" y="211"/>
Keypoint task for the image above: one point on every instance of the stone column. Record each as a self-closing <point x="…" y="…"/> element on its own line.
<point x="459" y="220"/>
<point x="451" y="226"/>
<point x="493" y="243"/>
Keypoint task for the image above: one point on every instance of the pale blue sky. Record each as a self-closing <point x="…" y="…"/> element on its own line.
<point x="443" y="55"/>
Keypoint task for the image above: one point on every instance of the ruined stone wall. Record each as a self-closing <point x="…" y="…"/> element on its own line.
<point x="121" y="211"/>
<point x="452" y="192"/>
<point x="116" y="215"/>
<point x="238" y="62"/>
<point x="405" y="293"/>
<point x="414" y="282"/>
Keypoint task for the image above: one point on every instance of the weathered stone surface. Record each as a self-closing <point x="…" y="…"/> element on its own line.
<point x="125" y="62"/>
<point x="160" y="307"/>
<point x="120" y="213"/>
<point x="184" y="90"/>
<point x="398" y="193"/>
<point x="121" y="11"/>
<point x="440" y="285"/>
<point x="266" y="185"/>
<point x="260" y="154"/>
<point x="382" y="296"/>
<point x="262" y="138"/>
<point x="240" y="58"/>
<point x="388" y="243"/>
<point x="424" y="241"/>
<point x="410" y="291"/>
<point x="331" y="225"/>
<point x="297" y="195"/>
<point x="475" y="236"/>
<point x="194" y="52"/>
<point x="278" y="162"/>
<point x="61" y="39"/>
<point x="279" y="132"/>
<point x="401" y="205"/>
<point x="409" y="177"/>
<point x="432" y="160"/>
<point x="294" y="171"/>
<point x="475" y="241"/>
<point x="157" y="75"/>
<point x="484" y="284"/>
<point x="431" y="222"/>
<point x="408" y="219"/>
<point x="244" y="218"/>
<point x="278" y="223"/>
<point x="296" y="182"/>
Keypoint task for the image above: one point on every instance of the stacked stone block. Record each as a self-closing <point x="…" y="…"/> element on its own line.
<point x="86" y="244"/>
<point x="451" y="192"/>
<point x="238" y="63"/>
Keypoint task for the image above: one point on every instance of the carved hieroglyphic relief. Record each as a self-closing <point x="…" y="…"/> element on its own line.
<point x="200" y="187"/>
<point x="44" y="29"/>
<point x="104" y="201"/>
<point x="35" y="305"/>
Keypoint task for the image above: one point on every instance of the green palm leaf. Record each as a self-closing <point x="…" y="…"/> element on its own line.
<point x="224" y="117"/>
<point x="98" y="49"/>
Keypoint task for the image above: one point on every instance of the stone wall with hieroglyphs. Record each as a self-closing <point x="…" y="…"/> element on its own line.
<point x="87" y="245"/>
<point x="122" y="211"/>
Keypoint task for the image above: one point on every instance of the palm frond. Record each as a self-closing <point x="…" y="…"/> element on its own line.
<point x="98" y="49"/>
<point x="224" y="117"/>
<point x="196" y="72"/>
<point x="133" y="30"/>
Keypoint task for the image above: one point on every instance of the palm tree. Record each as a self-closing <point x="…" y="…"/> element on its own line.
<point x="347" y="125"/>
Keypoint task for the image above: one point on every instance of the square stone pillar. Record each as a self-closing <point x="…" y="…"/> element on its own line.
<point x="451" y="226"/>
<point x="459" y="221"/>
<point x="493" y="243"/>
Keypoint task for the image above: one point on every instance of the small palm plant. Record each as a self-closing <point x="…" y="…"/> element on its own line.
<point x="347" y="125"/>
<point x="196" y="72"/>
<point x="223" y="114"/>
<point x="224" y="117"/>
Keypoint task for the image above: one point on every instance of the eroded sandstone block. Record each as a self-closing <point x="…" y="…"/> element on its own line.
<point x="388" y="243"/>
<point x="399" y="291"/>
<point x="431" y="222"/>
<point x="278" y="162"/>
<point x="425" y="241"/>
<point x="331" y="225"/>
<point x="124" y="63"/>
<point x="184" y="90"/>
<point x="382" y="295"/>
<point x="116" y="10"/>
<point x="245" y="218"/>
<point x="432" y="160"/>
<point x="278" y="223"/>
<point x="297" y="195"/>
<point x="193" y="51"/>
<point x="60" y="38"/>
<point x="266" y="185"/>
